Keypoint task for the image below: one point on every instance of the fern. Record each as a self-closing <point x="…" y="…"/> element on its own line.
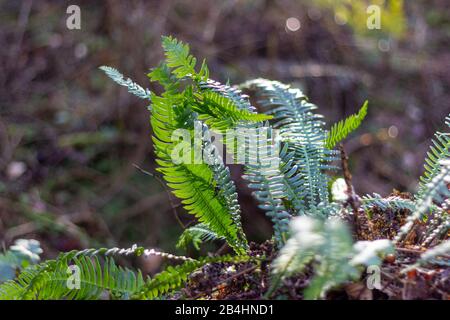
<point x="196" y="235"/>
<point x="263" y="174"/>
<point x="330" y="246"/>
<point x="226" y="186"/>
<point x="182" y="62"/>
<point x="190" y="182"/>
<point x="436" y="255"/>
<point x="339" y="131"/>
<point x="20" y="255"/>
<point x="50" y="280"/>
<point x="302" y="130"/>
<point x="439" y="150"/>
<point x="221" y="113"/>
<point x="133" y="87"/>
<point x="437" y="190"/>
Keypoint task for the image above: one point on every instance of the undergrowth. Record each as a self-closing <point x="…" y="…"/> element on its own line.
<point x="325" y="236"/>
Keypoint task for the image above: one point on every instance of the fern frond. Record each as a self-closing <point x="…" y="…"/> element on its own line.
<point x="225" y="185"/>
<point x="164" y="77"/>
<point x="340" y="130"/>
<point x="394" y="203"/>
<point x="196" y="235"/>
<point x="133" y="250"/>
<point x="194" y="184"/>
<point x="221" y="113"/>
<point x="132" y="87"/>
<point x="303" y="131"/>
<point x="183" y="63"/>
<point x="437" y="227"/>
<point x="53" y="280"/>
<point x="436" y="190"/>
<point x="439" y="150"/>
<point x="264" y="176"/>
<point x="436" y="255"/>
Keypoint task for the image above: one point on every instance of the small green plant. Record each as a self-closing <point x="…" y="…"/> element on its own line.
<point x="289" y="170"/>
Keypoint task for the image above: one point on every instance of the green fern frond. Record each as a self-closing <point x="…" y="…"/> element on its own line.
<point x="389" y="203"/>
<point x="225" y="185"/>
<point x="221" y="113"/>
<point x="340" y="130"/>
<point x="196" y="235"/>
<point x="263" y="174"/>
<point x="54" y="280"/>
<point x="133" y="87"/>
<point x="439" y="150"/>
<point x="183" y="63"/>
<point x="194" y="184"/>
<point x="436" y="190"/>
<point x="291" y="173"/>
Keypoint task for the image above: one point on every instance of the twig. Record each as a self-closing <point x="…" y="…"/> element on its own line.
<point x="174" y="210"/>
<point x="353" y="199"/>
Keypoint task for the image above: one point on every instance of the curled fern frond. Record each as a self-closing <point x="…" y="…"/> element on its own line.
<point x="196" y="235"/>
<point x="133" y="87"/>
<point x="340" y="130"/>
<point x="303" y="130"/>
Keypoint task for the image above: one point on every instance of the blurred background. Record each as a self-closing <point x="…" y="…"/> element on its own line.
<point x="71" y="140"/>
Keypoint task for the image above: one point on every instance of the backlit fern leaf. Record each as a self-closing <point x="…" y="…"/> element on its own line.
<point x="264" y="176"/>
<point x="192" y="183"/>
<point x="182" y="62"/>
<point x="50" y="280"/>
<point x="340" y="130"/>
<point x="388" y="203"/>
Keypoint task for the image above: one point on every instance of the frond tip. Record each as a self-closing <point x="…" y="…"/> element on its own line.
<point x="340" y="130"/>
<point x="132" y="86"/>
